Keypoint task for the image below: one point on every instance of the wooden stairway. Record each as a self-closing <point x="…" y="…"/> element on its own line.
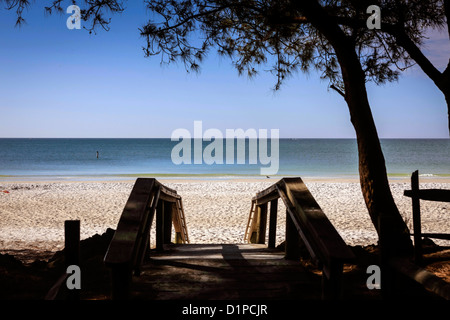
<point x="223" y="272"/>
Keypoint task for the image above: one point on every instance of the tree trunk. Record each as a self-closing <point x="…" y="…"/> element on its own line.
<point x="447" y="99"/>
<point x="372" y="169"/>
<point x="445" y="88"/>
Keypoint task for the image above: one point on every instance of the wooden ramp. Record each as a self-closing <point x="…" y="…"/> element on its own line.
<point x="223" y="272"/>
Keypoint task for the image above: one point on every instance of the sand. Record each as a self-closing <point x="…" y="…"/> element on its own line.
<point x="33" y="213"/>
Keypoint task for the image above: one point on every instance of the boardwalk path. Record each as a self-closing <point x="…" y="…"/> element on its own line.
<point x="222" y="272"/>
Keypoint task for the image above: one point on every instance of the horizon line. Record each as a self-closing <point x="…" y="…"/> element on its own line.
<point x="296" y="138"/>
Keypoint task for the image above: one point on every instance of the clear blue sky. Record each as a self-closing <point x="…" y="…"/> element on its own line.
<point x="56" y="82"/>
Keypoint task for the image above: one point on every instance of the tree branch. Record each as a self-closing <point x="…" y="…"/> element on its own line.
<point x="338" y="90"/>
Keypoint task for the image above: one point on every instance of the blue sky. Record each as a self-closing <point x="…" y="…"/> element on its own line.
<point x="56" y="82"/>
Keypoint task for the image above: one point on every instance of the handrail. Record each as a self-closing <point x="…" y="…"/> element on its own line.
<point x="416" y="194"/>
<point x="130" y="243"/>
<point x="305" y="223"/>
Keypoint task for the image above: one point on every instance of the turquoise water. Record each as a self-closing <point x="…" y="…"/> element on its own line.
<point x="135" y="157"/>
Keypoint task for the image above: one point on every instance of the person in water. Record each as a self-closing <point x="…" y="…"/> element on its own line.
<point x="97" y="154"/>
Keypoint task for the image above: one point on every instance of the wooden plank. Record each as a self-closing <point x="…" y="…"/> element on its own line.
<point x="443" y="236"/>
<point x="416" y="217"/>
<point x="208" y="271"/>
<point x="439" y="195"/>
<point x="266" y="195"/>
<point x="168" y="214"/>
<point x="292" y="241"/>
<point x="262" y="224"/>
<point x="311" y="217"/>
<point x="273" y="223"/>
<point x="169" y="191"/>
<point x="123" y="245"/>
<point x="303" y="233"/>
<point x="177" y="224"/>
<point x="160" y="208"/>
<point x="266" y="191"/>
<point x="253" y="231"/>
<point x="144" y="246"/>
<point x="248" y="231"/>
<point x="267" y="198"/>
<point x="184" y="228"/>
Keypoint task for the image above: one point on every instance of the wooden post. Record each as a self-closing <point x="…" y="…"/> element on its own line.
<point x="262" y="224"/>
<point x="416" y="217"/>
<point x="160" y="226"/>
<point x="72" y="250"/>
<point x="273" y="223"/>
<point x="177" y="221"/>
<point x="292" y="251"/>
<point x="255" y="225"/>
<point x="168" y="217"/>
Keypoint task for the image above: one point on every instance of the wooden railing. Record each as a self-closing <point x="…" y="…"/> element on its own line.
<point x="131" y="242"/>
<point x="305" y="223"/>
<point x="416" y="195"/>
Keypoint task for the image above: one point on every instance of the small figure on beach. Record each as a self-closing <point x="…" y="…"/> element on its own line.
<point x="97" y="154"/>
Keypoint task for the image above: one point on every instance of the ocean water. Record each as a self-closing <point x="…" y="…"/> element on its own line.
<point x="72" y="158"/>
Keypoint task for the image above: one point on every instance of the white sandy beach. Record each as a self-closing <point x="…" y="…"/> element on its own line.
<point x="33" y="213"/>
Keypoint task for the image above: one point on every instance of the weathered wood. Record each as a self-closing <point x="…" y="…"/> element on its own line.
<point x="168" y="195"/>
<point x="307" y="225"/>
<point x="443" y="236"/>
<point x="291" y="244"/>
<point x="181" y="235"/>
<point x="267" y="198"/>
<point x="273" y="223"/>
<point x="308" y="214"/>
<point x="304" y="239"/>
<point x="124" y="244"/>
<point x="224" y="271"/>
<point x="416" y="194"/>
<point x="262" y="223"/>
<point x="438" y="195"/>
<point x="416" y="217"/>
<point x="144" y="247"/>
<point x="250" y="223"/>
<point x="168" y="217"/>
<point x="160" y="225"/>
<point x="128" y="240"/>
<point x="177" y="224"/>
<point x="266" y="195"/>
<point x="253" y="230"/>
<point x="130" y="243"/>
